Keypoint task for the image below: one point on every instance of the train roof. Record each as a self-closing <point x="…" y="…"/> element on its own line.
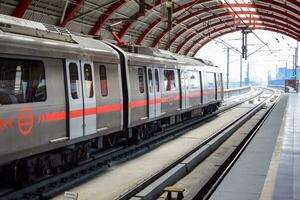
<point x="20" y="36"/>
<point x="144" y="53"/>
<point x="24" y="37"/>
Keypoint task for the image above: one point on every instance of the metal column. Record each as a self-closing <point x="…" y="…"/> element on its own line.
<point x="241" y="71"/>
<point x="296" y="60"/>
<point x="227" y="74"/>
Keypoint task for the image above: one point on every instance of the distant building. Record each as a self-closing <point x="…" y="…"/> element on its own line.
<point x="282" y="74"/>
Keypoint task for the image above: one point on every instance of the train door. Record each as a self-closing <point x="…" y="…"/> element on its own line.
<point x="204" y="88"/>
<point x="81" y="98"/>
<point x="185" y="89"/>
<point x="154" y="94"/>
<point x="201" y="87"/>
<point x="157" y="92"/>
<point x="151" y="95"/>
<point x="216" y="86"/>
<point x="211" y="86"/>
<point x="219" y="86"/>
<point x="89" y="97"/>
<point x="75" y="100"/>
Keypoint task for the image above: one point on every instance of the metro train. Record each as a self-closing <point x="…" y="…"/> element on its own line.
<point x="64" y="96"/>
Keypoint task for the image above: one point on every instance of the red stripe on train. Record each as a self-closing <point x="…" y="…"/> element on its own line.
<point x="135" y="104"/>
<point x="56" y="116"/>
<point x="61" y="115"/>
<point x="141" y="103"/>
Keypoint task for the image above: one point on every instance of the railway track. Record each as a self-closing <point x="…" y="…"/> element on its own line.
<point x="153" y="187"/>
<point x="48" y="188"/>
<point x="208" y="189"/>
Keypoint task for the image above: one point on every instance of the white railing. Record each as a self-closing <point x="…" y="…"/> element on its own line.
<point x="279" y="87"/>
<point x="228" y="93"/>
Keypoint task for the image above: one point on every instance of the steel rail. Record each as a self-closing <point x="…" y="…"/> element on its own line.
<point x="54" y="185"/>
<point x="208" y="189"/>
<point x="231" y="127"/>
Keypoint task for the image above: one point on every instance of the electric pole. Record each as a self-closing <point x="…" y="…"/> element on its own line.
<point x="227" y="74"/>
<point x="241" y="70"/>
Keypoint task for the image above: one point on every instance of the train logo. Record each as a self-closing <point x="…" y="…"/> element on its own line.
<point x="25" y="120"/>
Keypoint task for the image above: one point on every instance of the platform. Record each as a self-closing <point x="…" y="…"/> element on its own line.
<point x="270" y="166"/>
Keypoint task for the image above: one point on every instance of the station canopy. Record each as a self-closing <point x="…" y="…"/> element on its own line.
<point x="180" y="26"/>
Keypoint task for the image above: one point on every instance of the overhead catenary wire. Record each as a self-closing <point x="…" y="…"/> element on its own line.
<point x="233" y="10"/>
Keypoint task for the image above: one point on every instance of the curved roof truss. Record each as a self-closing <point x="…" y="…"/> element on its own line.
<point x="195" y="22"/>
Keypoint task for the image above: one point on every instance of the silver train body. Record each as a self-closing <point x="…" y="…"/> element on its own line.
<point x="60" y="99"/>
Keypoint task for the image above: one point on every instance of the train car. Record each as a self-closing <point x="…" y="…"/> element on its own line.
<point x="64" y="96"/>
<point x="56" y="90"/>
<point x="165" y="88"/>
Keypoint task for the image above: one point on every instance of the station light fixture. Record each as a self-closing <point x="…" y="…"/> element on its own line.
<point x="167" y="12"/>
<point x="143" y="4"/>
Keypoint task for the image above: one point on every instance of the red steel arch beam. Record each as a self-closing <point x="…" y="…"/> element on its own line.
<point x="245" y="5"/>
<point x="288" y="32"/>
<point x="261" y="20"/>
<point x="237" y="5"/>
<point x="231" y="31"/>
<point x="222" y="6"/>
<point x="180" y="8"/>
<point x="219" y="30"/>
<point x="135" y="17"/>
<point x="281" y="29"/>
<point x="282" y="5"/>
<point x="157" y="21"/>
<point x="104" y="17"/>
<point x="275" y="27"/>
<point x="71" y="10"/>
<point x="288" y="22"/>
<point x="21" y="8"/>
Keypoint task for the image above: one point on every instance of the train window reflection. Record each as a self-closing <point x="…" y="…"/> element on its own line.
<point x="169" y="80"/>
<point x="184" y="80"/>
<point x="103" y="81"/>
<point x="22" y="81"/>
<point x="211" y="83"/>
<point x="150" y="80"/>
<point x="219" y="83"/>
<point x="88" y="78"/>
<point x="141" y="80"/>
<point x="194" y="80"/>
<point x="74" y="80"/>
<point x="157" y="80"/>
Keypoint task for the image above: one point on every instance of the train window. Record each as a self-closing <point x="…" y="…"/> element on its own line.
<point x="157" y="80"/>
<point x="22" y="81"/>
<point x="103" y="81"/>
<point x="211" y="84"/>
<point x="88" y="78"/>
<point x="141" y="80"/>
<point x="219" y="82"/>
<point x="74" y="80"/>
<point x="184" y="80"/>
<point x="194" y="80"/>
<point x="150" y="80"/>
<point x="169" y="80"/>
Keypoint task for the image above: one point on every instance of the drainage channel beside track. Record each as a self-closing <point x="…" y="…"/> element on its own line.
<point x="54" y="185"/>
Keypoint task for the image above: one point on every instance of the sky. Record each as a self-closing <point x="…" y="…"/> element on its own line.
<point x="278" y="53"/>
